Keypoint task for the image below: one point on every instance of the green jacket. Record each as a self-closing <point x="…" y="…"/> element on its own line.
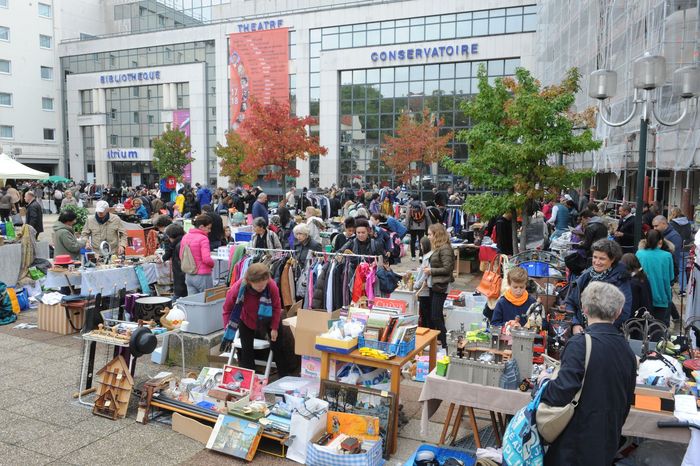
<point x="65" y="242"/>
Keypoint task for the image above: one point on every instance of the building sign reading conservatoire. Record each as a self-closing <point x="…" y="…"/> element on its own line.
<point x="139" y="76"/>
<point x="134" y="153"/>
<point x="426" y="53"/>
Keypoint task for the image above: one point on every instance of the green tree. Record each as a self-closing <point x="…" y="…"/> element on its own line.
<point x="519" y="125"/>
<point x="171" y="153"/>
<point x="231" y="157"/>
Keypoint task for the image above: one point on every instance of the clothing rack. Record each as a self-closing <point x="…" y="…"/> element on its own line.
<point x="342" y="254"/>
<point x="269" y="250"/>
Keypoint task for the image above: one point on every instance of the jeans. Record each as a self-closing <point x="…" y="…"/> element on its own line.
<point x="437" y="305"/>
<point x="247" y="353"/>
<point x="416" y="236"/>
<point x="5" y="214"/>
<point x="198" y="283"/>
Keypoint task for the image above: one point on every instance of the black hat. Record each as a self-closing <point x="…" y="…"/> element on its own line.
<point x="142" y="342"/>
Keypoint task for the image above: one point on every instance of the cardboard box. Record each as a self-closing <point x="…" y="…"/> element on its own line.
<point x="191" y="428"/>
<point x="655" y="399"/>
<point x="336" y="346"/>
<point x="54" y="318"/>
<point x="310" y="324"/>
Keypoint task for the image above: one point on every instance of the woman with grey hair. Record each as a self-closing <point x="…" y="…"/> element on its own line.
<point x="607" y="384"/>
<point x="264" y="238"/>
<point x="608" y="269"/>
<point x="304" y="243"/>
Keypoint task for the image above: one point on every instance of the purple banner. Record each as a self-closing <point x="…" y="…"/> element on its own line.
<point x="181" y="121"/>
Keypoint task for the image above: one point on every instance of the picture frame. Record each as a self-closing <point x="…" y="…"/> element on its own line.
<point x="372" y="333"/>
<point x="346" y="398"/>
<point x="235" y="437"/>
<point x="234" y="375"/>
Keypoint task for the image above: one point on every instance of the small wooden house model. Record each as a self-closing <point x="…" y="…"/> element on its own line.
<point x="106" y="405"/>
<point x="115" y="377"/>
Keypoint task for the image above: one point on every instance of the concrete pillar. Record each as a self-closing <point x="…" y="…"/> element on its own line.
<point x="101" y="172"/>
<point x="173" y="96"/>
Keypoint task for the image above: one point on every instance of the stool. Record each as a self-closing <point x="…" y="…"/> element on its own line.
<point x="257" y="345"/>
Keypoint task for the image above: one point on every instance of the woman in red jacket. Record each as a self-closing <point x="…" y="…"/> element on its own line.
<point x="253" y="304"/>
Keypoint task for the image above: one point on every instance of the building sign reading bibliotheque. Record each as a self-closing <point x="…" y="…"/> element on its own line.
<point x="139" y="77"/>
<point x="426" y="53"/>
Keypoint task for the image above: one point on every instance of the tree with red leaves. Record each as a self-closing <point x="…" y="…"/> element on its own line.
<point x="274" y="138"/>
<point x="417" y="143"/>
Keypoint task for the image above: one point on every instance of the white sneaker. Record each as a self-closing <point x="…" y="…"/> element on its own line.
<point x="413" y="259"/>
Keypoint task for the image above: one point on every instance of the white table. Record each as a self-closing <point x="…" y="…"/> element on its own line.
<point x="11" y="260"/>
<point x="105" y="281"/>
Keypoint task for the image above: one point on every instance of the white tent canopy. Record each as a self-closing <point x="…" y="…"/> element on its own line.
<point x="12" y="169"/>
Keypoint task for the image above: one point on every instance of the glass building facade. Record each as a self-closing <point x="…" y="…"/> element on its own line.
<point x="372" y="99"/>
<point x="133" y="113"/>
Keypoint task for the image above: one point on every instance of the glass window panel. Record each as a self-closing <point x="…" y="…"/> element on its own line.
<point x="330" y="42"/>
<point x="498" y="12"/>
<point x="529" y="22"/>
<point x="387" y="36"/>
<point x="514" y="11"/>
<point x="447" y="30"/>
<point x="510" y="65"/>
<point x="447" y="119"/>
<point x="315" y="35"/>
<point x="401" y="89"/>
<point x="462" y="70"/>
<point x="359" y="27"/>
<point x="401" y="73"/>
<point x="387" y="25"/>
<point x="416" y="73"/>
<point x="530" y="9"/>
<point x="402" y="35"/>
<point x="372" y="104"/>
<point x="431" y="87"/>
<point x="387" y="75"/>
<point x="314" y="65"/>
<point x="417" y="21"/>
<point x="387" y="121"/>
<point x="401" y="23"/>
<point x="315" y="50"/>
<point x="480" y="27"/>
<point x="387" y="105"/>
<point x="371" y="26"/>
<point x="480" y="14"/>
<point x="462" y="86"/>
<point x="359" y="39"/>
<point x="358" y="92"/>
<point x="373" y="37"/>
<point x="415" y="88"/>
<point x="464" y="29"/>
<point x="372" y="76"/>
<point x="417" y="33"/>
<point x="448" y="18"/>
<point x="343" y="29"/>
<point x="447" y="70"/>
<point x="345" y="41"/>
<point x="495" y="68"/>
<point x="431" y="72"/>
<point x="314" y="93"/>
<point x="475" y="85"/>
<point x="358" y="76"/>
<point x="447" y="86"/>
<point x="447" y="102"/>
<point x="432" y="19"/>
<point x="514" y="24"/>
<point x="315" y="79"/>
<point x="330" y="30"/>
<point x="387" y="90"/>
<point x="432" y="31"/>
<point x="497" y="25"/>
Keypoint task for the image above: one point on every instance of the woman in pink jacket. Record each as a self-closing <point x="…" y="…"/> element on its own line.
<point x="198" y="242"/>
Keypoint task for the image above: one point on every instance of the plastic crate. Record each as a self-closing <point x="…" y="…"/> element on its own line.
<point x="242" y="236"/>
<point x="442" y="454"/>
<point x="536" y="269"/>
<point x="399" y="349"/>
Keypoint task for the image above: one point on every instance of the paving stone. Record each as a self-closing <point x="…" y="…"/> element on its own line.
<point x="59" y="443"/>
<point x="14" y="455"/>
<point x="24" y="428"/>
<point x="13" y="396"/>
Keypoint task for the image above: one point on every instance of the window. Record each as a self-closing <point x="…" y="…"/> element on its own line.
<point x="46" y="72"/>
<point x="7" y="132"/>
<point x="49" y="134"/>
<point x="44" y="10"/>
<point x="136" y="141"/>
<point x="47" y="103"/>
<point x="4" y="33"/>
<point x="113" y="113"/>
<point x="5" y="99"/>
<point x="5" y="66"/>
<point x="44" y="41"/>
<point x="136" y="117"/>
<point x="113" y="140"/>
<point x="3" y="4"/>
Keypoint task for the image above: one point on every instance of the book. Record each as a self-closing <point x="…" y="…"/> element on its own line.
<point x="397" y="335"/>
<point x="410" y="333"/>
<point x="353" y="425"/>
<point x="389" y="329"/>
<point x="236" y="437"/>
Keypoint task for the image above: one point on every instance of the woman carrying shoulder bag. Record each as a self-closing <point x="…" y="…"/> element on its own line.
<point x="606" y="384"/>
<point x="442" y="264"/>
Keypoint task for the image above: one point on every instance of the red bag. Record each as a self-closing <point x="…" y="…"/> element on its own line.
<point x="490" y="285"/>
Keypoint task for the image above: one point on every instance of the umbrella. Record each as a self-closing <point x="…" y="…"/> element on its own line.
<point x="56" y="179"/>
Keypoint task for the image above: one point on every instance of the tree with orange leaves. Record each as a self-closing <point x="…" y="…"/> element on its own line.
<point x="271" y="137"/>
<point x="519" y="126"/>
<point x="417" y="143"/>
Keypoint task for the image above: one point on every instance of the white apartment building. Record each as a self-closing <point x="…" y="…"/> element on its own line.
<point x="31" y="119"/>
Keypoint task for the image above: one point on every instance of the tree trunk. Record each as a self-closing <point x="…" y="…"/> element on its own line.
<point x="523" y="236"/>
<point x="514" y="231"/>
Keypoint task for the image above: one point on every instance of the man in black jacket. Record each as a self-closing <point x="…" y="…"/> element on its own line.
<point x="217" y="227"/>
<point x="593" y="229"/>
<point x="35" y="215"/>
<point x="625" y="229"/>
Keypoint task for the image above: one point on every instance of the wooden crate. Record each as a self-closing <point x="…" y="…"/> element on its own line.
<point x="54" y="318"/>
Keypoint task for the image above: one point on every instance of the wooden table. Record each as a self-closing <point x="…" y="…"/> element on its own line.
<point x="394" y="366"/>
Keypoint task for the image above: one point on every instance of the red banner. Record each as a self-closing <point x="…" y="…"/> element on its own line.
<point x="258" y="68"/>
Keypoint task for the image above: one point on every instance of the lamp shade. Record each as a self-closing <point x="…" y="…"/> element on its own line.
<point x="602" y="84"/>
<point x="686" y="82"/>
<point x="649" y="72"/>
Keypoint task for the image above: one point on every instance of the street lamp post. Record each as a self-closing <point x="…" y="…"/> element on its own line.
<point x="649" y="72"/>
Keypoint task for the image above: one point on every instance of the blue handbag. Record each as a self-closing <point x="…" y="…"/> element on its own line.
<point x="521" y="442"/>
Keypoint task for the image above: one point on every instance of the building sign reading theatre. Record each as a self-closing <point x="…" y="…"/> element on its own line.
<point x="426" y="53"/>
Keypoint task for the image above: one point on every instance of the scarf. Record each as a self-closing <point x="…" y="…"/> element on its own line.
<point x="513" y="300"/>
<point x="264" y="316"/>
<point x="599" y="276"/>
<point x="102" y="221"/>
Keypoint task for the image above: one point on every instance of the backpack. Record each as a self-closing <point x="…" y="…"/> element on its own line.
<point x="435" y="216"/>
<point x="187" y="263"/>
<point x="398" y="250"/>
<point x="417" y="212"/>
<point x="521" y="440"/>
<point x="58" y="195"/>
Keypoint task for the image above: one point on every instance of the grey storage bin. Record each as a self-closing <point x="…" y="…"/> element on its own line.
<point x="204" y="318"/>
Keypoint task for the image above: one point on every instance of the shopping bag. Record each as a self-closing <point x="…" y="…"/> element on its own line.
<point x="307" y="422"/>
<point x="490" y="285"/>
<point x="521" y="440"/>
